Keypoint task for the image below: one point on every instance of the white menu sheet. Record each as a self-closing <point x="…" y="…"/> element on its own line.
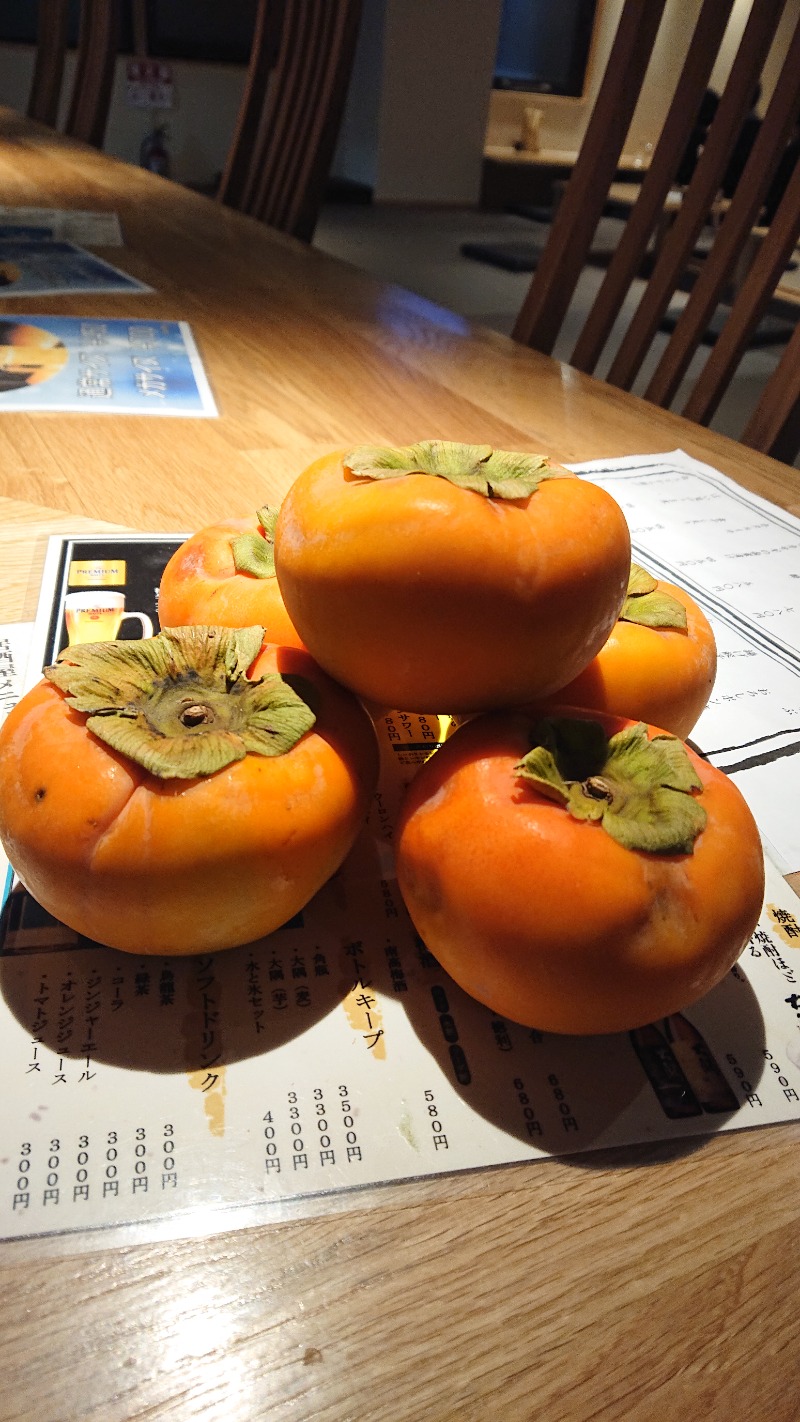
<point x="174" y="1095"/>
<point x="89" y="229"/>
<point x="739" y="557"/>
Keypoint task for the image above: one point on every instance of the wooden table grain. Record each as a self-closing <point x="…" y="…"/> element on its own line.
<point x="654" y="1281"/>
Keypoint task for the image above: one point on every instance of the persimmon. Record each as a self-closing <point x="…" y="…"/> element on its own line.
<point x="449" y="577"/>
<point x="578" y="872"/>
<point x="659" y="662"/>
<point x="185" y="793"/>
<point x="224" y="576"/>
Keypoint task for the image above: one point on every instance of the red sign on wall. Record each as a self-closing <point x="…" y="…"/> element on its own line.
<point x="149" y="84"/>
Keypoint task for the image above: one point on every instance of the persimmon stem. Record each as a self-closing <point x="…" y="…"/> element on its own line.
<point x="196" y="715"/>
<point x="182" y="704"/>
<point x="644" y="792"/>
<point x="493" y="473"/>
<point x="597" y="789"/>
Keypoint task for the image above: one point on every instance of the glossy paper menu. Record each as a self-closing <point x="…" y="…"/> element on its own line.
<point x="32" y="267"/>
<point x="90" y="229"/>
<point x="93" y="365"/>
<point x="202" y="1092"/>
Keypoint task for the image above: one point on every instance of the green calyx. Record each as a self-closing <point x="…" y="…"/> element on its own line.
<point x="254" y="553"/>
<point x="648" y="605"/>
<point x="641" y="791"/>
<point x="495" y="473"/>
<point x="181" y="704"/>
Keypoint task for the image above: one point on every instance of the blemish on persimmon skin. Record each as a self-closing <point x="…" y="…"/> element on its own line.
<point x="39" y="794"/>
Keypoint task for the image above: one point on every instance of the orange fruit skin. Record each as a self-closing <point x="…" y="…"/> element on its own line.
<point x="547" y="920"/>
<point x="415" y="593"/>
<point x="662" y="675"/>
<point x="181" y="866"/>
<point x="200" y="586"/>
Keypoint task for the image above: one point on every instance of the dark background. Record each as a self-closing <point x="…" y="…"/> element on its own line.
<point x="543" y="44"/>
<point x="217" y="30"/>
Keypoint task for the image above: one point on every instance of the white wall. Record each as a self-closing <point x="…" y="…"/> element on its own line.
<point x="741" y="10"/>
<point x="437" y="74"/>
<point x="415" y="120"/>
<point x="356" y="155"/>
<point x="200" y="125"/>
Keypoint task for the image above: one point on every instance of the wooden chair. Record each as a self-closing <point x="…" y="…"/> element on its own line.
<point x="48" y="72"/>
<point x="774" y="427"/>
<point x="300" y="66"/>
<point x="98" y="39"/>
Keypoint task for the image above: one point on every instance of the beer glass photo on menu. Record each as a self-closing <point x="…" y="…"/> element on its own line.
<point x="98" y="616"/>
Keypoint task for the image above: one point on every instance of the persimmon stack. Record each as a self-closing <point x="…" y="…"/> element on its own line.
<point x="224" y="576"/>
<point x="573" y="864"/>
<point x="578" y="872"/>
<point x="451" y="577"/>
<point x="659" y="662"/>
<point x="182" y="794"/>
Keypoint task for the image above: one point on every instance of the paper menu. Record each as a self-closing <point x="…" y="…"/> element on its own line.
<point x="737" y="552"/>
<point x="739" y="557"/>
<point x="15" y="644"/>
<point x="31" y="267"/>
<point x="101" y="366"/>
<point x="336" y="1053"/>
<point x="90" y="229"/>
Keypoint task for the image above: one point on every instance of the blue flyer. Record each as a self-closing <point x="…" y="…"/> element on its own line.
<point x="116" y="367"/>
<point x="31" y="267"/>
<point x="39" y="234"/>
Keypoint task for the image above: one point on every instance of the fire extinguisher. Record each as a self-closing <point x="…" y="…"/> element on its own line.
<point x="154" y="154"/>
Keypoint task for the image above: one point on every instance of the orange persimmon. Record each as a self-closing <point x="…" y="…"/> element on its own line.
<point x="166" y="799"/>
<point x="577" y="872"/>
<point x="658" y="664"/>
<point x="447" y="576"/>
<point x="224" y="576"/>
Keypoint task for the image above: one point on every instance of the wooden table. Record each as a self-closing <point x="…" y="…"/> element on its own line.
<point x="652" y="1282"/>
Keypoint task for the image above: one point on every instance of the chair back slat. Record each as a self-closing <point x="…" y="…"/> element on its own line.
<point x="291" y="112"/>
<point x="48" y="71"/>
<point x="751" y="304"/>
<point x="318" y="100"/>
<point x="739" y="178"/>
<point x="580" y="209"/>
<point x="718" y="267"/>
<point x="706" y="181"/>
<point x="300" y="93"/>
<point x="647" y="212"/>
<point x="263" y="57"/>
<point x="786" y="444"/>
<point x="98" y="41"/>
<point x="274" y="108"/>
<point x="95" y="62"/>
<point x="774" y="426"/>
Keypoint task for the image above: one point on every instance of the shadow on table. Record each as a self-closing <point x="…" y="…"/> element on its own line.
<point x="83" y="1001"/>
<point x="666" y="1086"/>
